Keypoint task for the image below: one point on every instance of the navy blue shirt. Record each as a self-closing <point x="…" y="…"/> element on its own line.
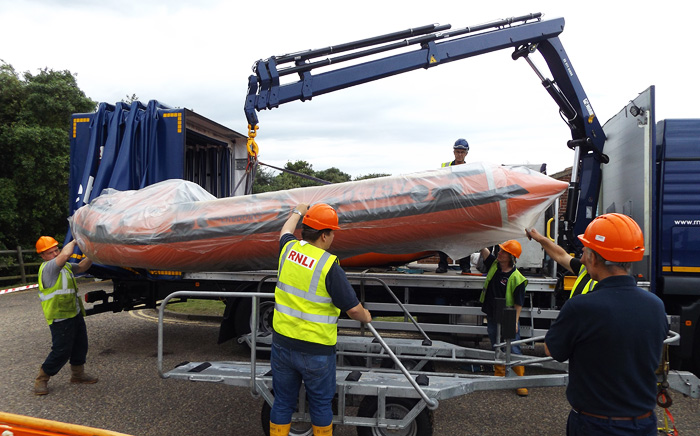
<point x="342" y="294"/>
<point x="613" y="339"/>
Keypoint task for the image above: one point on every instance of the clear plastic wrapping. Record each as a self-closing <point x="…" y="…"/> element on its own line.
<point x="177" y="225"/>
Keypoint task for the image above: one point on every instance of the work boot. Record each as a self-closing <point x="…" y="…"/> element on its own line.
<point x="279" y="429"/>
<point x="520" y="371"/>
<point x="323" y="431"/>
<point x="41" y="386"/>
<point x="78" y="375"/>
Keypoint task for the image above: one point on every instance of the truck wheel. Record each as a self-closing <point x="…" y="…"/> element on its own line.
<point x="242" y="317"/>
<point x="396" y="408"/>
<point x="265" y="313"/>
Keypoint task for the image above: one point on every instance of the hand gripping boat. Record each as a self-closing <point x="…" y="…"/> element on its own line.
<point x="177" y="225"/>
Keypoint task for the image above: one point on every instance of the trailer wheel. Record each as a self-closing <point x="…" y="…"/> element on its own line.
<point x="396" y="408"/>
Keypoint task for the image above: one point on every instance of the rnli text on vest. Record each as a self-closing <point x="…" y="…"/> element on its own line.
<point x="301" y="259"/>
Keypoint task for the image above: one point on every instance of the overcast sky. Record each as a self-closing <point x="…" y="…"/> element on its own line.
<point x="198" y="54"/>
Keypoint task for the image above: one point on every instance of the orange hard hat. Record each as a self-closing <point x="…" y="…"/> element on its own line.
<point x="44" y="243"/>
<point x="321" y="216"/>
<point x="512" y="247"/>
<point x="616" y="237"/>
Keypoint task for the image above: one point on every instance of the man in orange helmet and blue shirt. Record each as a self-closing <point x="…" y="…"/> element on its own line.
<point x="64" y="313"/>
<point x="504" y="280"/>
<point x="613" y="338"/>
<point x="311" y="291"/>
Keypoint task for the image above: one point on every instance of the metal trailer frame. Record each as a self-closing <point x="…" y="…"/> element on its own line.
<point x="411" y="282"/>
<point x="386" y="388"/>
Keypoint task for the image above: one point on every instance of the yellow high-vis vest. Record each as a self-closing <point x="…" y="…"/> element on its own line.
<point x="59" y="301"/>
<point x="580" y="286"/>
<point x="303" y="307"/>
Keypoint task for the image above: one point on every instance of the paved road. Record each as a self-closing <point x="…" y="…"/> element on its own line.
<point x="132" y="399"/>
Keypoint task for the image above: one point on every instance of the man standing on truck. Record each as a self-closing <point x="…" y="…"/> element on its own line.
<point x="613" y="338"/>
<point x="460" y="150"/>
<point x="504" y="280"/>
<point x="64" y="313"/>
<point x="583" y="284"/>
<point x="311" y="291"/>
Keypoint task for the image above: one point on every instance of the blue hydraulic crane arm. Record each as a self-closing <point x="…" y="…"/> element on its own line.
<point x="433" y="48"/>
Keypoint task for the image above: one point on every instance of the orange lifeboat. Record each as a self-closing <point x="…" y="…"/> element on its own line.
<point x="176" y="225"/>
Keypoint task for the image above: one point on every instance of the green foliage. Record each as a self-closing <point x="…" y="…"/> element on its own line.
<point x="35" y="114"/>
<point x="130" y="99"/>
<point x="371" y="176"/>
<point x="333" y="175"/>
<point x="267" y="181"/>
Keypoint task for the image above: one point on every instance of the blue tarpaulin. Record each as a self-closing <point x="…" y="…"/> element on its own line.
<point x="124" y="146"/>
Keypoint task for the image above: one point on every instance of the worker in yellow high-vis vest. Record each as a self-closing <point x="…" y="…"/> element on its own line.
<point x="312" y="290"/>
<point x="583" y="284"/>
<point x="64" y="313"/>
<point x="460" y="150"/>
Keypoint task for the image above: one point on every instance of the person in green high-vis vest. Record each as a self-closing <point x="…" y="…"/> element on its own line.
<point x="504" y="280"/>
<point x="64" y="313"/>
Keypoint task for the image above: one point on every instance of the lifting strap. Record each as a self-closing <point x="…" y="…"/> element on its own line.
<point x="251" y="166"/>
<point x="663" y="398"/>
<point x="306" y="176"/>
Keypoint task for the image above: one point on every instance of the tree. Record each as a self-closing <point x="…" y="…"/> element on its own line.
<point x="372" y="176"/>
<point x="130" y="99"/>
<point x="333" y="175"/>
<point x="35" y="114"/>
<point x="266" y="181"/>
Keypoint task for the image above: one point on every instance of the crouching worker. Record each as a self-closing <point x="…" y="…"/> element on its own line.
<point x="311" y="291"/>
<point x="64" y="313"/>
<point x="504" y="280"/>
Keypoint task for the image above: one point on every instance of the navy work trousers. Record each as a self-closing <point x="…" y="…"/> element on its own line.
<point x="69" y="342"/>
<point x="289" y="368"/>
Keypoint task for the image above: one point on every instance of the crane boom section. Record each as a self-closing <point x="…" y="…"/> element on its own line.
<point x="265" y="90"/>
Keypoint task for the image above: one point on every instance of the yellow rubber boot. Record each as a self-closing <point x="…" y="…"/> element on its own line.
<point x="499" y="370"/>
<point x="279" y="429"/>
<point x="520" y="371"/>
<point x="323" y="431"/>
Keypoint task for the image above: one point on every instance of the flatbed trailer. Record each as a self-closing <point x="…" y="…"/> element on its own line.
<point x="388" y="399"/>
